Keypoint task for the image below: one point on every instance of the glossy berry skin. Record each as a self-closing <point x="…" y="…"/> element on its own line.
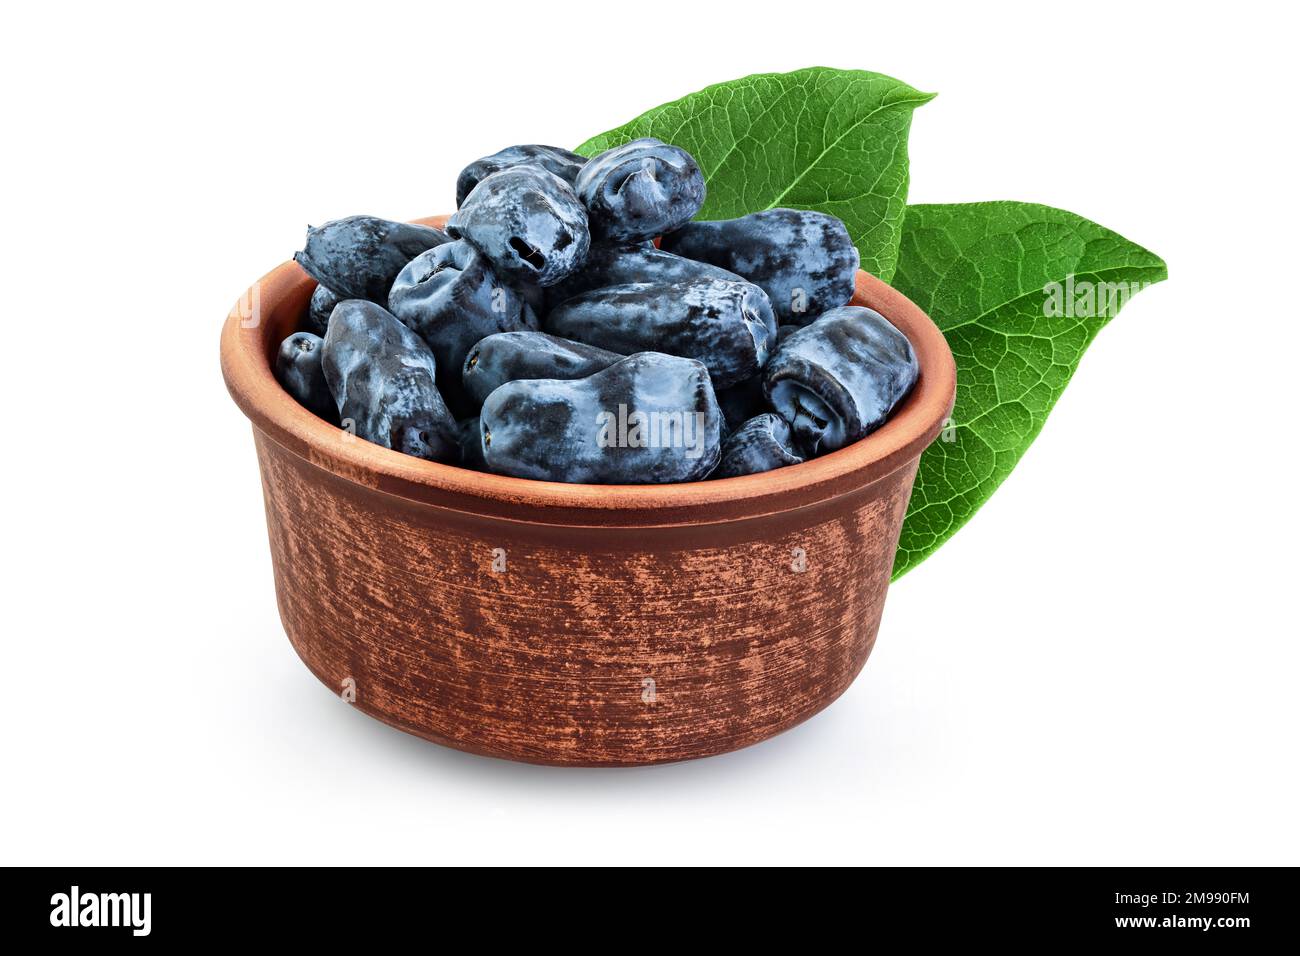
<point x="553" y="159"/>
<point x="805" y="261"/>
<point x="508" y="356"/>
<point x="836" y="380"/>
<point x="620" y="264"/>
<point x="648" y="418"/>
<point x="725" y="323"/>
<point x="760" y="444"/>
<point x="318" y="313"/>
<point x="451" y="298"/>
<point x="382" y="377"/>
<point x="528" y="222"/>
<point x="298" y="368"/>
<point x="640" y="190"/>
<point x="360" y="256"/>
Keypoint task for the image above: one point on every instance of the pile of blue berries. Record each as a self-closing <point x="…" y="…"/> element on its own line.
<point x="545" y="335"/>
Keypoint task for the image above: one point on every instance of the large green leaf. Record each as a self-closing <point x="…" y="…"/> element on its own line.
<point x="1018" y="291"/>
<point x="831" y="140"/>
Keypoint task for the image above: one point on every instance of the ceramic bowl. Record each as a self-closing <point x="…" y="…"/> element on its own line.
<point x="586" y="625"/>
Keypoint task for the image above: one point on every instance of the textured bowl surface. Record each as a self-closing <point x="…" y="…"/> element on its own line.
<point x="590" y="625"/>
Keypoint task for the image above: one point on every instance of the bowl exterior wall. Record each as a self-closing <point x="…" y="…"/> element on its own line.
<point x="589" y="646"/>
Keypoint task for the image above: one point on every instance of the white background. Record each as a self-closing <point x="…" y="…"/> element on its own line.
<point x="1100" y="668"/>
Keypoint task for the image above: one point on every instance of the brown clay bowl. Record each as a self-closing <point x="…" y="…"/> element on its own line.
<point x="630" y="625"/>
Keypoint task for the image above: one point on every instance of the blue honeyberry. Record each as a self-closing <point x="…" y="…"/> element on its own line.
<point x="836" y="380"/>
<point x="760" y="444"/>
<point x="648" y="418"/>
<point x="298" y="368"/>
<point x="451" y="298"/>
<point x="640" y="190"/>
<point x="360" y="256"/>
<point x="725" y="323"/>
<point x="561" y="162"/>
<point x="528" y="222"/>
<point x="805" y="261"/>
<point x="318" y="312"/>
<point x="383" y="379"/>
<point x="508" y="356"/>
<point x="619" y="264"/>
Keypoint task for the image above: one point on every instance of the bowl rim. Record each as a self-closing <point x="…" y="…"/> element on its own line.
<point x="914" y="424"/>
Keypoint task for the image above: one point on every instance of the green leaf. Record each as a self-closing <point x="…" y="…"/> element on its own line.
<point x="830" y="140"/>
<point x="1008" y="284"/>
